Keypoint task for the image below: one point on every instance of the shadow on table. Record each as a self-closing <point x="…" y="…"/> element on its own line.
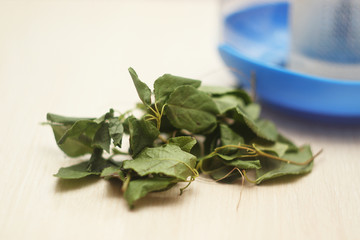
<point x="160" y="199"/>
<point x="65" y="185"/>
<point x="310" y="125"/>
<point x="152" y="200"/>
<point x="114" y="188"/>
<point x="283" y="180"/>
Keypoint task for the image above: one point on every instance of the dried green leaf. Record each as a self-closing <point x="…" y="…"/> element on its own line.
<point x="217" y="91"/>
<point x="142" y="89"/>
<point x="167" y="83"/>
<point x="228" y="102"/>
<point x="54" y="118"/>
<point x="104" y="117"/>
<point x="222" y="174"/>
<point x="229" y="137"/>
<point x="186" y="143"/>
<point x="75" y="172"/>
<point x="142" y="134"/>
<point x="73" y="147"/>
<point x="262" y="128"/>
<point x="168" y="160"/>
<point x="242" y="164"/>
<point x="97" y="163"/>
<point x="140" y="188"/>
<point x="84" y="128"/>
<point x="277" y="148"/>
<point x="113" y="172"/>
<point x="102" y="138"/>
<point x="253" y="110"/>
<point x="116" y="131"/>
<point x="274" y="168"/>
<point x="239" y="159"/>
<point x="188" y="108"/>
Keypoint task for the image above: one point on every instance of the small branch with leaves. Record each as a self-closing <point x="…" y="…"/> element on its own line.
<point x="186" y="130"/>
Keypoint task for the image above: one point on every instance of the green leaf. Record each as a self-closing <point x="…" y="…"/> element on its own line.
<point x="223" y="171"/>
<point x="102" y="138"/>
<point x="167" y="83"/>
<point x="142" y="134"/>
<point x="168" y="160"/>
<point x="228" y="102"/>
<point x="188" y="108"/>
<point x="94" y="131"/>
<point x="217" y="91"/>
<point x="211" y="142"/>
<point x="140" y="188"/>
<point x="75" y="172"/>
<point x="116" y="131"/>
<point x="97" y="163"/>
<point x="229" y="137"/>
<point x="263" y="128"/>
<point x="242" y="164"/>
<point x="276" y="148"/>
<point x="94" y="166"/>
<point x="266" y="129"/>
<point x="78" y="133"/>
<point x="104" y="117"/>
<point x="186" y="143"/>
<point x="84" y="128"/>
<point x="73" y="147"/>
<point x="113" y="172"/>
<point x="253" y="110"/>
<point x="54" y="118"/>
<point x="235" y="159"/>
<point x="291" y="145"/>
<point x="273" y="168"/>
<point x="142" y="89"/>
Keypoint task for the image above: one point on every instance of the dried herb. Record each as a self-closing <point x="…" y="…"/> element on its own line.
<point x="186" y="129"/>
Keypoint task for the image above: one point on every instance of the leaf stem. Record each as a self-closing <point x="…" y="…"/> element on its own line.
<point x="187" y="185"/>
<point x="242" y="183"/>
<point x="261" y="153"/>
<point x="243" y="147"/>
<point x="246" y="177"/>
<point x="157" y="115"/>
<point x="126" y="182"/>
<point x="235" y="168"/>
<point x="164" y="140"/>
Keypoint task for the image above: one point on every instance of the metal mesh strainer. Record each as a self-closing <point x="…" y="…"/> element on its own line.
<point x="326" y="38"/>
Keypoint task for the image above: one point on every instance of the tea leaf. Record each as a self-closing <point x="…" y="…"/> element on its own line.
<point x="186" y="143"/>
<point x="142" y="89"/>
<point x="140" y="188"/>
<point x="188" y="108"/>
<point x="142" y="134"/>
<point x="102" y="138"/>
<point x="229" y="137"/>
<point x="75" y="171"/>
<point x="217" y="91"/>
<point x="116" y="131"/>
<point x="262" y="128"/>
<point x="166" y="84"/>
<point x="54" y="118"/>
<point x="168" y="160"/>
<point x="228" y="102"/>
<point x="220" y="125"/>
<point x="277" y="148"/>
<point x="113" y="172"/>
<point x="73" y="147"/>
<point x="273" y="168"/>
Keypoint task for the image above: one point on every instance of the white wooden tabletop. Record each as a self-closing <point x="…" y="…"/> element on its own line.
<point x="71" y="58"/>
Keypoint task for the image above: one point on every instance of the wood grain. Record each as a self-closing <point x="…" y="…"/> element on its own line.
<point x="71" y="58"/>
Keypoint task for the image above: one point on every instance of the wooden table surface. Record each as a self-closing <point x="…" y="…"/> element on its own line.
<point x="71" y="58"/>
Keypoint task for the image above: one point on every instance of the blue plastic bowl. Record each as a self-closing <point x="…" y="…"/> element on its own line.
<point x="256" y="40"/>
